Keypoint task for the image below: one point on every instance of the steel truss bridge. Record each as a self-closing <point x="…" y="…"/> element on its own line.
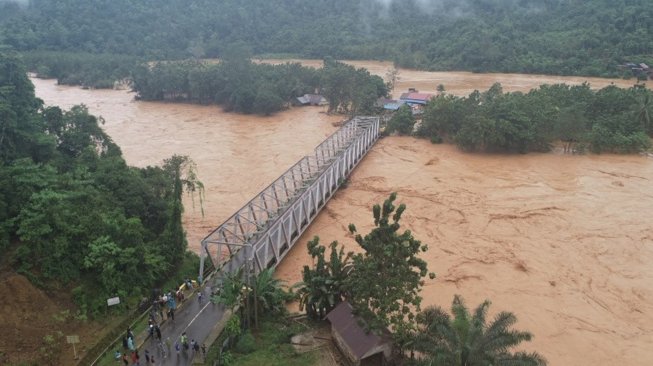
<point x="261" y="233"/>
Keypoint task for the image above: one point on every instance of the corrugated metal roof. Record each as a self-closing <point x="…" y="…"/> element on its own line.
<point x="416" y="96"/>
<point x="346" y="324"/>
<point x="314" y="99"/>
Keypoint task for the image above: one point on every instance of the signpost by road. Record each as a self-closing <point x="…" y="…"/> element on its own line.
<point x="113" y="301"/>
<point x="72" y="339"/>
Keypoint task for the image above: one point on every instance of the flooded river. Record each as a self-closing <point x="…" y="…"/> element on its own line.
<point x="565" y="242"/>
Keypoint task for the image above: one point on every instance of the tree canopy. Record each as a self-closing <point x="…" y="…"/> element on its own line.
<point x="73" y="214"/>
<point x="528" y="36"/>
<point x="608" y="120"/>
<point x="468" y="339"/>
<point x="240" y="85"/>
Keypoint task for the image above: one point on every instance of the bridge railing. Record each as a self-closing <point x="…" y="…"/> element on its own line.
<point x="267" y="226"/>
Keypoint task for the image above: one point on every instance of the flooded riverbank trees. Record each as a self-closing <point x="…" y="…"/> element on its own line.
<point x="608" y="120"/>
<point x="544" y="36"/>
<point x="242" y="86"/>
<point x="74" y="216"/>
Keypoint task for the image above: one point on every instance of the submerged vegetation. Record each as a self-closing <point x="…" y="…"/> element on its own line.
<point x="240" y="85"/>
<point x="608" y="120"/>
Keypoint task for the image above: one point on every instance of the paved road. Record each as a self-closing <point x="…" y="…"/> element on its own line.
<point x="197" y="320"/>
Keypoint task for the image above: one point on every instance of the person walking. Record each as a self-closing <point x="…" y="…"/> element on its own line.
<point x="199" y="297"/>
<point x="157" y="331"/>
<point x="184" y="341"/>
<point x="196" y="347"/>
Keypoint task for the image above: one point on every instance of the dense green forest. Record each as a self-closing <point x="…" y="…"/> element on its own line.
<point x="608" y="120"/>
<point x="73" y="215"/>
<point x="570" y="37"/>
<point x="243" y="86"/>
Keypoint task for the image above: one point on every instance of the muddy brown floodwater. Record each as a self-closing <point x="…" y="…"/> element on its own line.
<point x="565" y="242"/>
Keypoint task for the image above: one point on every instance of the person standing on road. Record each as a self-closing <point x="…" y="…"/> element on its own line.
<point x="157" y="330"/>
<point x="199" y="297"/>
<point x="184" y="341"/>
<point x="147" y="357"/>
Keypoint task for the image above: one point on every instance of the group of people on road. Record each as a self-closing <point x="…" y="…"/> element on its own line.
<point x="164" y="303"/>
<point x="130" y="355"/>
<point x="186" y="346"/>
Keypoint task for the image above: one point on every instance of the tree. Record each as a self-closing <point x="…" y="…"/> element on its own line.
<point x="390" y="259"/>
<point x="263" y="294"/>
<point x="467" y="339"/>
<point x="323" y="286"/>
<point x="402" y="121"/>
<point x="267" y="294"/>
<point x="644" y="112"/>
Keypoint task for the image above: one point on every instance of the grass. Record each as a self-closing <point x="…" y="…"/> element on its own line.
<point x="272" y="346"/>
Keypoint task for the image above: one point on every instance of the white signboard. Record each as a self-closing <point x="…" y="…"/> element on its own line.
<point x="113" y="301"/>
<point x="72" y="339"/>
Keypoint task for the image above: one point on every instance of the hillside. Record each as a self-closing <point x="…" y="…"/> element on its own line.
<point x="528" y="36"/>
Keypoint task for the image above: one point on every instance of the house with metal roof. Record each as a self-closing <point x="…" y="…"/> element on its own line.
<point x="389" y="104"/>
<point x="416" y="98"/>
<point x="311" y="99"/>
<point x="360" y="347"/>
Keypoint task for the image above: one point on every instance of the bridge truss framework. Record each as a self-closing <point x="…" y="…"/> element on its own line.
<point x="261" y="233"/>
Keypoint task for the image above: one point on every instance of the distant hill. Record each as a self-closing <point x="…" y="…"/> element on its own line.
<point x="571" y="37"/>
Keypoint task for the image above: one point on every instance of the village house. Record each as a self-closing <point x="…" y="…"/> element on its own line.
<point x="416" y="98"/>
<point x="389" y="104"/>
<point x="640" y="69"/>
<point x="311" y="99"/>
<point x="361" y="348"/>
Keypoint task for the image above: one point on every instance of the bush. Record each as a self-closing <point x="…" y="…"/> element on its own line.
<point x="246" y="344"/>
<point x="402" y="121"/>
<point x="436" y="139"/>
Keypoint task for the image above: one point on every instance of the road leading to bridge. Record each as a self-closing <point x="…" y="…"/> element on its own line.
<point x="197" y="319"/>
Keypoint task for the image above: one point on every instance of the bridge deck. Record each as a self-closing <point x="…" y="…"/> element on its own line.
<point x="262" y="232"/>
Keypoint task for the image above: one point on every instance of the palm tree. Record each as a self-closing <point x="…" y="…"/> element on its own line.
<point x="268" y="293"/>
<point x="263" y="294"/>
<point x="467" y="339"/>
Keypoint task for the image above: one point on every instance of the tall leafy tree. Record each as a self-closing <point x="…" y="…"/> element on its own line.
<point x="468" y="339"/>
<point x="387" y="276"/>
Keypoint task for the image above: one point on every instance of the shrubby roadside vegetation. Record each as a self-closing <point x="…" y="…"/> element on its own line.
<point x="74" y="216"/>
<point x="608" y="120"/>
